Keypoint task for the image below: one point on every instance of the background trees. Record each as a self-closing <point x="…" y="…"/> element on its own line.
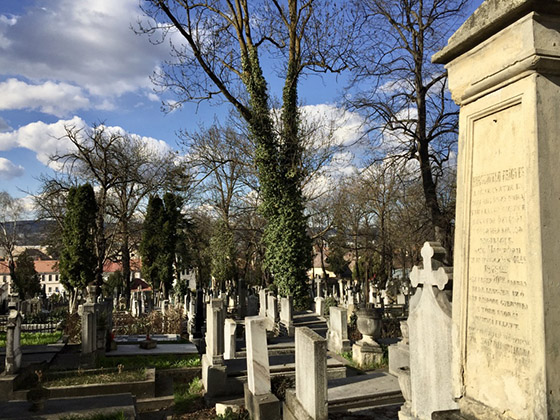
<point x="26" y="281"/>
<point x="404" y="95"/>
<point x="11" y="211"/>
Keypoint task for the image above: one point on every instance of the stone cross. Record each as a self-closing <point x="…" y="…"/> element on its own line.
<point x="427" y="276"/>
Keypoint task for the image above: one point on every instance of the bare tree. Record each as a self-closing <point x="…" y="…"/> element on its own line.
<point x="11" y="210"/>
<point x="405" y="98"/>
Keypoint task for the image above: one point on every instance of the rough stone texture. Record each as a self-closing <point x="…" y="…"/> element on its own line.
<point x="258" y="369"/>
<point x="13" y="336"/>
<point x="215" y="331"/>
<point x="292" y="409"/>
<point x="262" y="407"/>
<point x="429" y="324"/>
<point x="287" y="316"/>
<point x="229" y="339"/>
<point x="311" y="372"/>
<point x="506" y="279"/>
<point x="337" y="338"/>
<point x="366" y="354"/>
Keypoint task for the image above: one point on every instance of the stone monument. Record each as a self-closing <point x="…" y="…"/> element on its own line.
<point x="506" y="294"/>
<point x="13" y="336"/>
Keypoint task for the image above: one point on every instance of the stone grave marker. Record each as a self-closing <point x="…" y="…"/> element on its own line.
<point x="272" y="311"/>
<point x="213" y="368"/>
<point x="337" y="338"/>
<point x="260" y="402"/>
<point x="506" y="293"/>
<point x="88" y="313"/>
<point x="229" y="339"/>
<point x="263" y="302"/>
<point x="286" y="316"/>
<point x="309" y="401"/>
<point x="429" y="323"/>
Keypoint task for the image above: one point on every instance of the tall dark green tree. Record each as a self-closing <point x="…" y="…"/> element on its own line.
<point x="26" y="281"/>
<point x="78" y="258"/>
<point x="170" y="229"/>
<point x="151" y="245"/>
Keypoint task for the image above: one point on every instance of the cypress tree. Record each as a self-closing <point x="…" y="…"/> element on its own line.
<point x="151" y="246"/>
<point x="78" y="260"/>
<point x="27" y="281"/>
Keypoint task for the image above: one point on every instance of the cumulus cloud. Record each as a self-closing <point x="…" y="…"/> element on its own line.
<point x="88" y="44"/>
<point x="52" y="98"/>
<point x="48" y="139"/>
<point x="8" y="170"/>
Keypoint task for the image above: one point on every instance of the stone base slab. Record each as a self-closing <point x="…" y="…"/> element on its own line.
<point x="450" y="415"/>
<point x="262" y="407"/>
<point x="293" y="410"/>
<point x="399" y="356"/>
<point x="214" y="379"/>
<point x="367" y="355"/>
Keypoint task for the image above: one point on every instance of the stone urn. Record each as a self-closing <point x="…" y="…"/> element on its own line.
<point x="369" y="325"/>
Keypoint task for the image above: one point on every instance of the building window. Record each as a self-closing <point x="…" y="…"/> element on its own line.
<point x="50" y="289"/>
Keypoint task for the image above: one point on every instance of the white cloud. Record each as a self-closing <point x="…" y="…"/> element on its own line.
<point x="52" y="98"/>
<point x="85" y="43"/>
<point x="43" y="139"/>
<point x="48" y="139"/>
<point x="8" y="170"/>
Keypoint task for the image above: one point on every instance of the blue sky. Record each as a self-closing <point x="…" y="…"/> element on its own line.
<point x="78" y="61"/>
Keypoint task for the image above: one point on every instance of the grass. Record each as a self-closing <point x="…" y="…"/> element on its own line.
<point x="160" y="361"/>
<point x="34" y="339"/>
<point x="188" y="397"/>
<point x="97" y="378"/>
<point x="119" y="415"/>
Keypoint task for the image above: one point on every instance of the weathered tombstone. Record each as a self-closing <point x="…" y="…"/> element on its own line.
<point x="229" y="339"/>
<point x="242" y="295"/>
<point x="506" y="359"/>
<point x="262" y="302"/>
<point x="337" y="338"/>
<point x="272" y="311"/>
<point x="309" y="401"/>
<point x="252" y="305"/>
<point x="164" y="307"/>
<point x="319" y="288"/>
<point x="320" y="306"/>
<point x="13" y="336"/>
<point x="341" y="293"/>
<point x="260" y="402"/>
<point x="429" y="323"/>
<point x="213" y="368"/>
<point x="88" y="314"/>
<point x="286" y="316"/>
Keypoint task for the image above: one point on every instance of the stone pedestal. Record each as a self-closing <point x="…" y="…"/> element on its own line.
<point x="89" y="327"/>
<point x="320" y="306"/>
<point x="213" y="369"/>
<point x="399" y="354"/>
<point x="367" y="354"/>
<point x="506" y="362"/>
<point x="272" y="311"/>
<point x="263" y="302"/>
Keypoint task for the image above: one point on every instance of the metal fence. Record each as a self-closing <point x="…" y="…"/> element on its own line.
<point x="46" y="325"/>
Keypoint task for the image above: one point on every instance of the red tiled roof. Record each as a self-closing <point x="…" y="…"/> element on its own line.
<point x="51" y="266"/>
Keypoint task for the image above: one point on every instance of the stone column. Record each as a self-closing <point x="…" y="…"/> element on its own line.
<point x="262" y="302"/>
<point x="504" y="72"/>
<point x="214" y="376"/>
<point x="260" y="402"/>
<point x="341" y="292"/>
<point x="272" y="311"/>
<point x="310" y="397"/>
<point x="13" y="336"/>
<point x="89" y="323"/>
<point x="337" y="337"/>
<point x="229" y="339"/>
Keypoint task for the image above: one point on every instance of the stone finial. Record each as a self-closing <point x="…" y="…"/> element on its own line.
<point x="427" y="276"/>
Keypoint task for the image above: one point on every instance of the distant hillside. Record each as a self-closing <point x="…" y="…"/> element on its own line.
<point x="33" y="232"/>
